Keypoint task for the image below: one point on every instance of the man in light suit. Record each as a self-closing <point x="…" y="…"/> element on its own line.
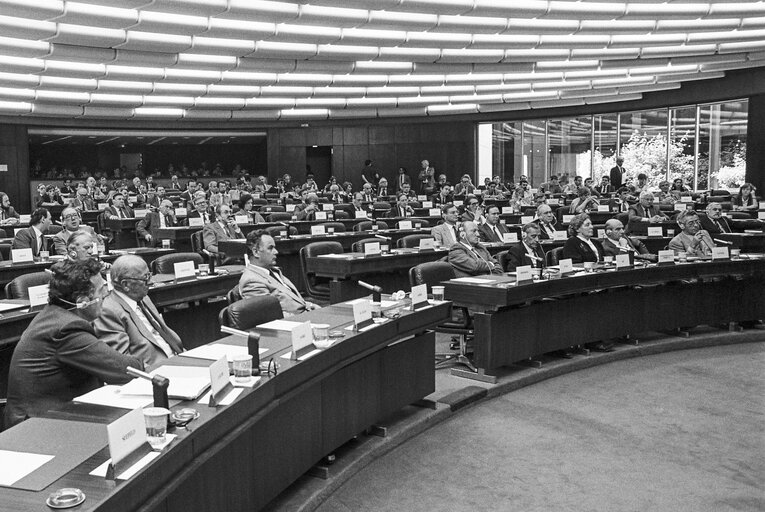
<point x="72" y="224"/>
<point x="224" y="228"/>
<point x="263" y="277"/>
<point x="693" y="240"/>
<point x="528" y="251"/>
<point x="148" y="226"/>
<point x="468" y="258"/>
<point x="645" y="210"/>
<point x="447" y="234"/>
<point x="33" y="236"/>
<point x="119" y="209"/>
<point x="492" y="230"/>
<point x="129" y="322"/>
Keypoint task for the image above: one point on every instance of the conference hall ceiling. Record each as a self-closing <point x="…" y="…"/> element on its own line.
<point x="274" y="61"/>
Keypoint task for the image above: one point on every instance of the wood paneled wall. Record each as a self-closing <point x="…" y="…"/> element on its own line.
<point x="14" y="152"/>
<point x="755" y="143"/>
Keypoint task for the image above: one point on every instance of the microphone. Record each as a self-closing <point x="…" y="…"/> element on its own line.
<point x="372" y="288"/>
<point x="534" y="258"/>
<point x="722" y="241"/>
<point x="381" y="237"/>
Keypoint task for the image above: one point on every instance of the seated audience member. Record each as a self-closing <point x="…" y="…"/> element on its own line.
<point x="67" y="188"/>
<point x="348" y="189"/>
<point x="500" y="186"/>
<point x="118" y="208"/>
<point x="84" y="202"/>
<point x="187" y="196"/>
<point x="677" y="186"/>
<point x="59" y="356"/>
<point x="642" y="183"/>
<point x="464" y="187"/>
<point x="589" y="184"/>
<point x="148" y="226"/>
<point x="246" y="208"/>
<point x="620" y="203"/>
<point x="402" y="208"/>
<point x="382" y="188"/>
<point x="473" y="210"/>
<point x="223" y="228"/>
<point x="336" y="195"/>
<point x="130" y="323"/>
<point x="154" y="197"/>
<point x="444" y="195"/>
<point x="310" y="184"/>
<point x="493" y="192"/>
<point x="358" y="204"/>
<point x="407" y="189"/>
<point x="492" y="231"/>
<point x="174" y="183"/>
<point x="666" y="196"/>
<point x="8" y="216"/>
<point x="308" y="208"/>
<point x="528" y="251"/>
<point x="714" y="222"/>
<point x="581" y="246"/>
<point x="617" y="243"/>
<point x="47" y="196"/>
<point x="522" y="195"/>
<point x="403" y="179"/>
<point x="201" y="210"/>
<point x="79" y="246"/>
<point x="368" y="193"/>
<point x="645" y="211"/>
<point x="546" y="220"/>
<point x="584" y="203"/>
<point x="552" y="186"/>
<point x="605" y="188"/>
<point x="447" y="234"/>
<point x="135" y="186"/>
<point x="745" y="200"/>
<point x="572" y="189"/>
<point x="33" y="236"/>
<point x="72" y="224"/>
<point x="692" y="240"/>
<point x="263" y="277"/>
<point x="467" y="257"/>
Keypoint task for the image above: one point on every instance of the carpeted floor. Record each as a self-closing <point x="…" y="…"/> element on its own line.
<point x="672" y="432"/>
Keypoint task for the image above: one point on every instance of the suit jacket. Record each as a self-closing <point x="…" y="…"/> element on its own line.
<point x="439" y="199"/>
<point x="616" y="177"/>
<point x="61" y="238"/>
<point x="58" y="358"/>
<point x="258" y="281"/>
<point x="607" y="189"/>
<point x="444" y="235"/>
<point x="472" y="263"/>
<point x="196" y="215"/>
<point x="10" y="213"/>
<point x="120" y="327"/>
<point x="401" y="179"/>
<point x="27" y="239"/>
<point x="543" y="234"/>
<point x="301" y="214"/>
<point x="88" y="203"/>
<point x="396" y="212"/>
<point x="150" y="224"/>
<point x="611" y="248"/>
<point x="637" y="211"/>
<point x="111" y="211"/>
<point x="213" y="233"/>
<point x="487" y="233"/>
<point x="713" y="228"/>
<point x="517" y="256"/>
<point x="691" y="245"/>
<point x="579" y="252"/>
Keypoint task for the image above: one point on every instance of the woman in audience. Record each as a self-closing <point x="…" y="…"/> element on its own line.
<point x="746" y="200"/>
<point x="8" y="216"/>
<point x="580" y="246"/>
<point x="245" y="208"/>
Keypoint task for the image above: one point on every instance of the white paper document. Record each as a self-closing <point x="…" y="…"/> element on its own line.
<point x="312" y="353"/>
<point x="215" y="351"/>
<point x="474" y="280"/>
<point x="132" y="470"/>
<point x="186" y="382"/>
<point x="111" y="396"/>
<point x="227" y="400"/>
<point x="279" y="325"/>
<point x="16" y="465"/>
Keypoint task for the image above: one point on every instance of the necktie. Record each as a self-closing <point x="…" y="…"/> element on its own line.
<point x="720" y="225"/>
<point x="155" y="322"/>
<point x="499" y="235"/>
<point x="40" y="242"/>
<point x="162" y="221"/>
<point x="276" y="274"/>
<point x="456" y="235"/>
<point x="119" y="213"/>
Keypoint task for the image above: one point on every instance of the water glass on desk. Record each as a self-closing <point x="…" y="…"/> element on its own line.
<point x="156" y="426"/>
<point x="735" y="254"/>
<point x="438" y="293"/>
<point x="44" y="255"/>
<point x="242" y="368"/>
<point x="204" y="269"/>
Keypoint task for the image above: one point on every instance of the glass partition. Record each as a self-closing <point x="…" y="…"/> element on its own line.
<point x="569" y="142"/>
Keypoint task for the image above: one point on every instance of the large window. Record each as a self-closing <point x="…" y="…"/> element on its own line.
<point x="705" y="145"/>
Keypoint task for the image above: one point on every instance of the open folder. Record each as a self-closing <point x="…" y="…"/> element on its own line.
<point x="186" y="382"/>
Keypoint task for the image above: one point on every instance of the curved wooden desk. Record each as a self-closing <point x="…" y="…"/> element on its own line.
<point x="514" y="323"/>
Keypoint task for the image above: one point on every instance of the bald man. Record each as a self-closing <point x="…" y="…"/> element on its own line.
<point x="70" y="218"/>
<point x="130" y="323"/>
<point x="148" y="226"/>
<point x="617" y="243"/>
<point x="468" y="258"/>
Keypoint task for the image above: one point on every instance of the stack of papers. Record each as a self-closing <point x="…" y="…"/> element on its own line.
<point x="279" y="325"/>
<point x="186" y="382"/>
<point x="215" y="351"/>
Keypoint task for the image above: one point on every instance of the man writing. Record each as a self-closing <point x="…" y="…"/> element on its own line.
<point x="528" y="251"/>
<point x="468" y="258"/>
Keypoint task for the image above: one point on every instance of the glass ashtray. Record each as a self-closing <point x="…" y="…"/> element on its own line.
<point x="65" y="498"/>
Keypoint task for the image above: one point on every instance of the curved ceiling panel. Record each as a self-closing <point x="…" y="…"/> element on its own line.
<point x="271" y="60"/>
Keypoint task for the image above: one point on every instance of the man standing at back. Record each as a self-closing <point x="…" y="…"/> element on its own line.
<point x="616" y="174"/>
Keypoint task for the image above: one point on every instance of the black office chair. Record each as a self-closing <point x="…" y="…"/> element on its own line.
<point x="259" y="201"/>
<point x="5" y="251"/>
<point x="317" y="286"/>
<point x="359" y="245"/>
<point x="366" y="225"/>
<point x="198" y="245"/>
<point x="3" y="234"/>
<point x="423" y="223"/>
<point x="164" y="264"/>
<point x="553" y="256"/>
<point x="19" y="287"/>
<point x="53" y="229"/>
<point x="502" y="259"/>
<point x="411" y="241"/>
<point x="233" y="295"/>
<point x="272" y="208"/>
<point x="338" y="226"/>
<point x="275" y="230"/>
<point x="247" y="313"/>
<point x="461" y="323"/>
<point x="279" y="217"/>
<point x="340" y="214"/>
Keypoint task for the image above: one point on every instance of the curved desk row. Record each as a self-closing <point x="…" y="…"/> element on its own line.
<point x="516" y="322"/>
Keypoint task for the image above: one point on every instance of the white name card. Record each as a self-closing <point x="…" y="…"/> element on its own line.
<point x="241" y="219"/>
<point x="132" y="199"/>
<point x="361" y="214"/>
<point x="181" y="212"/>
<point x="655" y="231"/>
<point x="317" y="230"/>
<point x="289" y="207"/>
<point x="422" y="198"/>
<point x="603" y="208"/>
<point x="427" y="204"/>
<point x="184" y="270"/>
<point x="24" y="218"/>
<point x="38" y="295"/>
<point x="761" y="207"/>
<point x="566" y="266"/>
<point x="302" y="337"/>
<point x="523" y="274"/>
<point x="623" y="261"/>
<point x="761" y="215"/>
<point x="525" y="219"/>
<point x="720" y="253"/>
<point x="458" y="203"/>
<point x="127" y="434"/>
<point x="321" y="215"/>
<point x="100" y="206"/>
<point x="686" y="199"/>
<point x="362" y="312"/>
<point x="427" y="243"/>
<point x="219" y="376"/>
<point x="666" y="257"/>
<point x="434" y="212"/>
<point x="405" y="224"/>
<point x="140" y="213"/>
<point x="419" y="294"/>
<point x="327" y="206"/>
<point x="567" y="218"/>
<point x="679" y="207"/>
<point x="21" y="255"/>
<point x="372" y="248"/>
<point x="196" y="222"/>
<point x="509" y="238"/>
<point x="553" y="201"/>
<point x="507" y="209"/>
<point x="559" y="236"/>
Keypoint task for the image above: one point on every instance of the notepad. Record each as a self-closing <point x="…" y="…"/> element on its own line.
<point x="186" y="382"/>
<point x="215" y="351"/>
<point x="112" y="396"/>
<point x="16" y="465"/>
<point x="279" y="325"/>
<point x="473" y="280"/>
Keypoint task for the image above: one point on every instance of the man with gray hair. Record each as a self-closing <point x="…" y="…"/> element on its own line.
<point x="148" y="226"/>
<point x="130" y="323"/>
<point x="645" y="211"/>
<point x="713" y="221"/>
<point x="616" y="243"/>
<point x="70" y="218"/>
<point x="693" y="240"/>
<point x="468" y="258"/>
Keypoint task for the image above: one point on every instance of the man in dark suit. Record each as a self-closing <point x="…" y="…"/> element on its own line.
<point x="129" y="322"/>
<point x="617" y="243"/>
<point x="605" y="188"/>
<point x="492" y="230"/>
<point x="33" y="236"/>
<point x="224" y="228"/>
<point x="308" y="208"/>
<point x="402" y="208"/>
<point x="59" y="356"/>
<point x="201" y="211"/>
<point x="546" y="222"/>
<point x="187" y="196"/>
<point x="148" y="226"/>
<point x="358" y="204"/>
<point x="527" y="251"/>
<point x="714" y="222"/>
<point x="118" y="208"/>
<point x="468" y="258"/>
<point x="645" y="211"/>
<point x="444" y="196"/>
<point x="616" y="175"/>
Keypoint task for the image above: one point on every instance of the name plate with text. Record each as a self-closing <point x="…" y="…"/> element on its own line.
<point x="321" y="215"/>
<point x="405" y="224"/>
<point x="317" y="230"/>
<point x="567" y="218"/>
<point x="666" y="257"/>
<point x="22" y="255"/>
<point x="509" y="238"/>
<point x="434" y="212"/>
<point x="181" y="212"/>
<point x="523" y="274"/>
<point x="360" y="214"/>
<point x="427" y="204"/>
<point x="196" y="222"/>
<point x="184" y="271"/>
<point x="655" y="231"/>
<point x="525" y="219"/>
<point x="566" y="266"/>
<point x="560" y="236"/>
<point x="720" y="253"/>
<point x="419" y="296"/>
<point x="603" y="208"/>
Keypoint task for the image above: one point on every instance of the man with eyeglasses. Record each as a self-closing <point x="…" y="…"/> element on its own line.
<point x="129" y="322"/>
<point x="693" y="240"/>
<point x="70" y="218"/>
<point x="645" y="210"/>
<point x="545" y="221"/>
<point x="148" y="226"/>
<point x="473" y="210"/>
<point x="713" y="221"/>
<point x="201" y="210"/>
<point x="527" y="251"/>
<point x="224" y="228"/>
<point x="616" y="242"/>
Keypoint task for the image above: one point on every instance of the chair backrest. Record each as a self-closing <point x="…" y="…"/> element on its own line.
<point x="233" y="295"/>
<point x="340" y="214"/>
<point x="381" y="205"/>
<point x="275" y="230"/>
<point x="3" y="234"/>
<point x="366" y="225"/>
<point x="164" y="264"/>
<point x="411" y="241"/>
<point x="18" y="288"/>
<point x="502" y="258"/>
<point x="5" y="251"/>
<point x="53" y="229"/>
<point x="247" y="313"/>
<point x="260" y="201"/>
<point x="359" y="245"/>
<point x="553" y="256"/>
<point x="197" y="244"/>
<point x="317" y="249"/>
<point x="272" y="208"/>
<point x="278" y="216"/>
<point x="339" y="226"/>
<point x="430" y="273"/>
<point x="423" y="223"/>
